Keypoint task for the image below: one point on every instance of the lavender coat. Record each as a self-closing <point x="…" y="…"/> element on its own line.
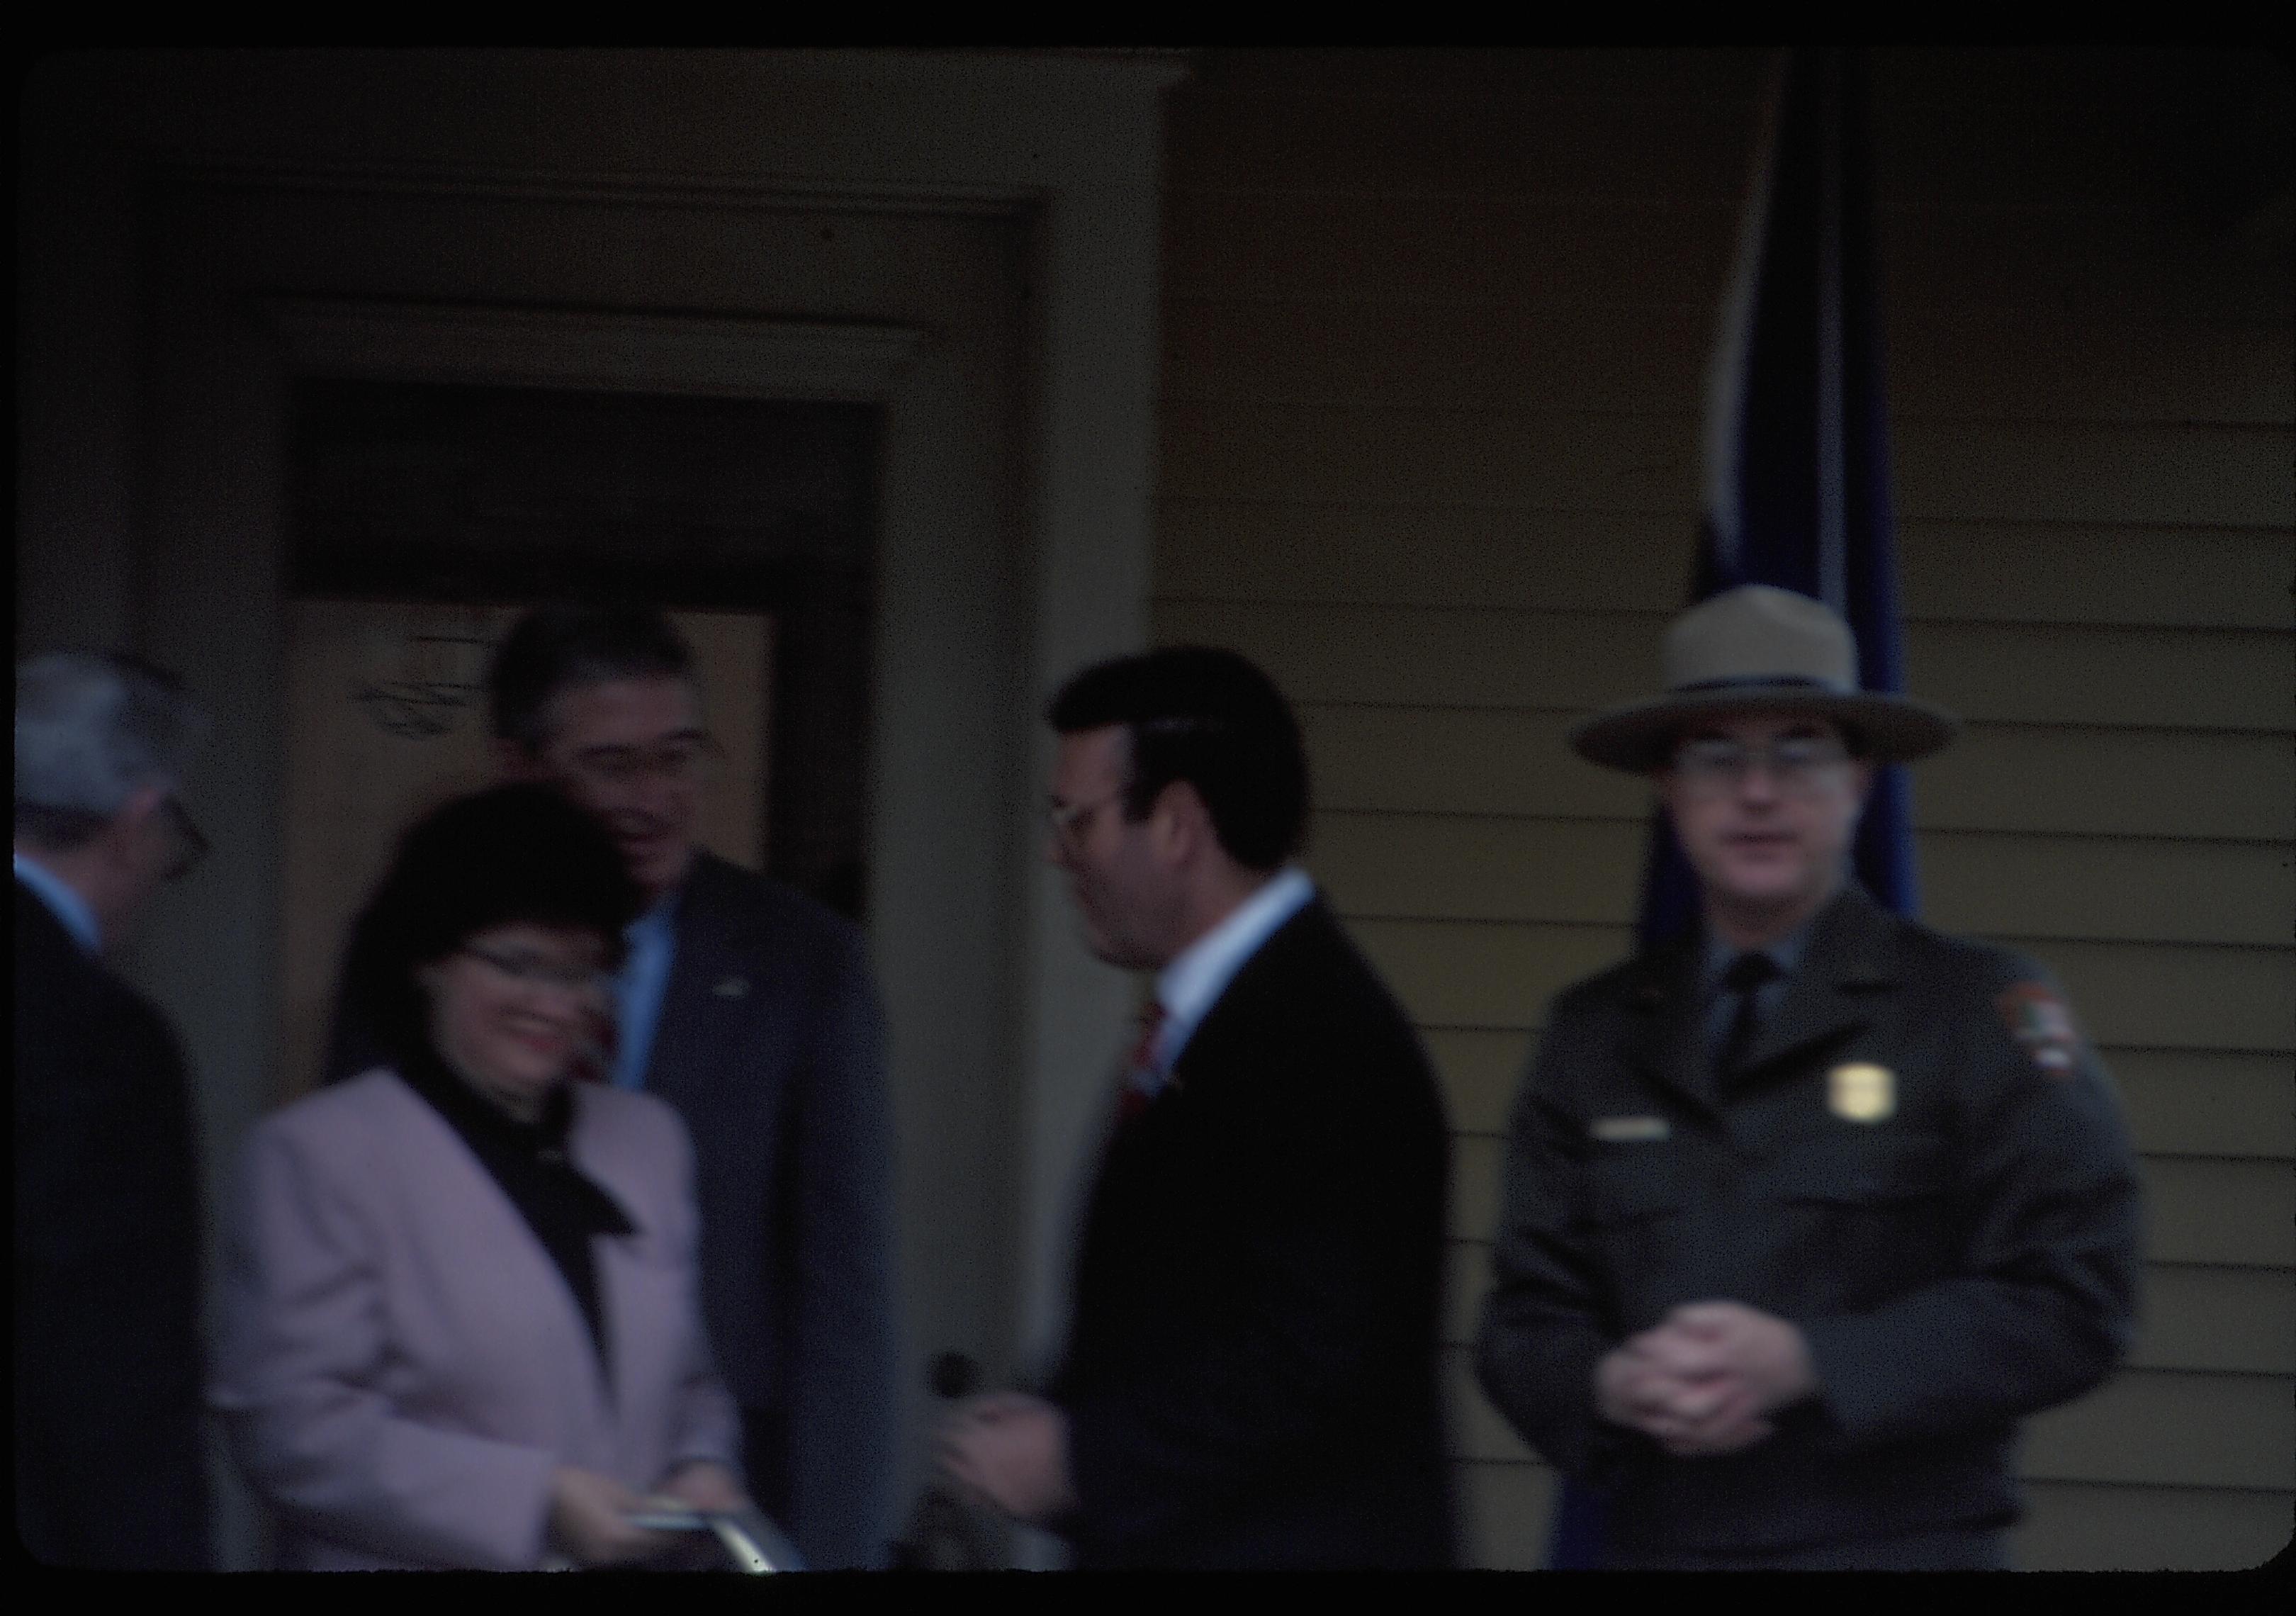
<point x="400" y="1365"/>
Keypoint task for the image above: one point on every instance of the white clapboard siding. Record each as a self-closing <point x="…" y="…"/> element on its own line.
<point x="1434" y="352"/>
<point x="1263" y="550"/>
<point x="1517" y="357"/>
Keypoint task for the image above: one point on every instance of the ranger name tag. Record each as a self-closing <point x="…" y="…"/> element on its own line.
<point x="1627" y="1130"/>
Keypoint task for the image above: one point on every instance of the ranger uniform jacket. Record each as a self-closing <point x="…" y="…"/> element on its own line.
<point x="1920" y="1164"/>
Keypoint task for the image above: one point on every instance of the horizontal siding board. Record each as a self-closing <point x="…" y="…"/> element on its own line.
<point x="1479" y="1432"/>
<point x="2069" y="136"/>
<point x="1639" y="73"/>
<point x="1478" y="1165"/>
<point x="1509" y="1508"/>
<point x="1569" y="460"/>
<point x="1528" y="356"/>
<point x="2073" y="1526"/>
<point x="2039" y="368"/>
<point x="2204" y="474"/>
<point x="2174" y="679"/>
<point x="2100" y="264"/>
<point x="1565" y="561"/>
<point x="1437" y="555"/>
<point x="2184" y="578"/>
<point x="1508" y="359"/>
<point x="2131" y="888"/>
<point x="1416" y="760"/>
<point x="2201" y="475"/>
<point x="2009" y="778"/>
<point x="1987" y="673"/>
<point x="1457" y="249"/>
<point x="2100" y="783"/>
<point x="1480" y="1072"/>
<point x="2219" y="1214"/>
<point x="2160" y="1426"/>
<point x="2226" y="1319"/>
<point x="1417" y="867"/>
<point x="2096" y="264"/>
<point x="2206" y="1102"/>
<point x="1493" y="974"/>
<point x="2179" y="996"/>
<point x="2227" y="1214"/>
<point x="2100" y="888"/>
<point x="1494" y="145"/>
<point x="1455" y="975"/>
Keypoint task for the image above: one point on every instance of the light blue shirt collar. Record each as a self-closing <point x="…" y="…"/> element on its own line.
<point x="1190" y="985"/>
<point x="650" y="946"/>
<point x="71" y="909"/>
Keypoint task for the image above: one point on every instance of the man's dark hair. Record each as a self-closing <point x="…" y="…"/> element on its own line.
<point x="516" y="854"/>
<point x="1211" y="718"/>
<point x="556" y="648"/>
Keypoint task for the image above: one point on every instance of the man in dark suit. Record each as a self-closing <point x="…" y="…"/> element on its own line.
<point x="752" y="1010"/>
<point x="110" y="1464"/>
<point x="1250" y="1371"/>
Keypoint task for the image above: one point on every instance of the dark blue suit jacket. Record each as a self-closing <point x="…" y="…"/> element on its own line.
<point x="1250" y="1378"/>
<point x="770" y="1044"/>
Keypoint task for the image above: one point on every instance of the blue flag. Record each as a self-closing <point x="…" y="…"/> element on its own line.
<point x="1797" y="476"/>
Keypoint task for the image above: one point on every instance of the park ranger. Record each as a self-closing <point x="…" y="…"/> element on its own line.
<point x="1804" y="1213"/>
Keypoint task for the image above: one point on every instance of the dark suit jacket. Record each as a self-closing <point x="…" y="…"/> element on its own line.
<point x="770" y="1045"/>
<point x="110" y="1468"/>
<point x="1250" y="1373"/>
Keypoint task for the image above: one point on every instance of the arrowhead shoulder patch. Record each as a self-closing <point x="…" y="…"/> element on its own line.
<point x="2042" y="1024"/>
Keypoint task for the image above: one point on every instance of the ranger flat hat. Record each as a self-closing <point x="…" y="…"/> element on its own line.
<point x="1755" y="646"/>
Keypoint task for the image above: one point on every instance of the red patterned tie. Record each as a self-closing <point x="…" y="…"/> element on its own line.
<point x="1140" y="1077"/>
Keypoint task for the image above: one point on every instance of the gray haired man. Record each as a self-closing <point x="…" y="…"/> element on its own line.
<point x="108" y="1460"/>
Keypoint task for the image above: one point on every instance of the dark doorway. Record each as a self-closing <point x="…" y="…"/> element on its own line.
<point x="483" y="495"/>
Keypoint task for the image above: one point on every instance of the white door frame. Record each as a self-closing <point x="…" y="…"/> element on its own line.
<point x="192" y="571"/>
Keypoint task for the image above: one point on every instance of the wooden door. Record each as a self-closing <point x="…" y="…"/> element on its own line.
<point x="387" y="718"/>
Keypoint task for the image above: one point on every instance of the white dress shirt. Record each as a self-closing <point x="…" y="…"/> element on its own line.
<point x="1191" y="984"/>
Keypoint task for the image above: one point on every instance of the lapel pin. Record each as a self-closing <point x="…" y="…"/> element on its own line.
<point x="732" y="988"/>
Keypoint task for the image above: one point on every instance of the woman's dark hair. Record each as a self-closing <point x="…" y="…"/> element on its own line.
<point x="516" y="854"/>
<point x="1210" y="716"/>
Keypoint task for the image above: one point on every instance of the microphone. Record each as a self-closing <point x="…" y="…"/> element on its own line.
<point x="944" y="1533"/>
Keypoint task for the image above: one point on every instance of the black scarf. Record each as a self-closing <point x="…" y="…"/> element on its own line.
<point x="528" y="1162"/>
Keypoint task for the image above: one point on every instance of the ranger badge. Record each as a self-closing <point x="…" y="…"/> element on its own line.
<point x="1861" y="1092"/>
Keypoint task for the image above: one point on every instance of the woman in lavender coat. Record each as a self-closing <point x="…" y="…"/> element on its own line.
<point x="459" y="1321"/>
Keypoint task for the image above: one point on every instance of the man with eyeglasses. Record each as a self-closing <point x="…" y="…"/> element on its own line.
<point x="109" y="1459"/>
<point x="1249" y="1377"/>
<point x="1803" y="1215"/>
<point x="753" y="1010"/>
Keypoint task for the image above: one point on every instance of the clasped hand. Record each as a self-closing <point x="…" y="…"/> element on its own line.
<point x="1706" y="1378"/>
